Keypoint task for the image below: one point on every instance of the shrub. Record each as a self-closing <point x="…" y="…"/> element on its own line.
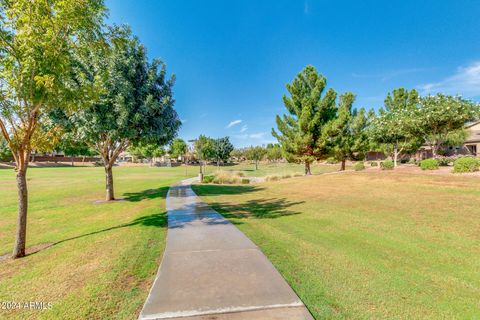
<point x="445" y="161"/>
<point x="429" y="164"/>
<point x="387" y="165"/>
<point x="331" y="160"/>
<point x="412" y="161"/>
<point x="465" y="164"/>
<point x="208" y="179"/>
<point x="272" y="178"/>
<point x="226" y="177"/>
<point x="359" y="166"/>
<point x="286" y="176"/>
<point x="374" y="164"/>
<point x="240" y="173"/>
<point x="245" y="181"/>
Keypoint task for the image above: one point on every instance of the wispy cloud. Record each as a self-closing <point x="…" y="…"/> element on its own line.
<point x="233" y="123"/>
<point x="258" y="135"/>
<point x="465" y="81"/>
<point x="244" y="128"/>
<point x="385" y="76"/>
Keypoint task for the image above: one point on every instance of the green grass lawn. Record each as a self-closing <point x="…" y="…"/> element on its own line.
<point x="265" y="169"/>
<point x="367" y="245"/>
<point x="103" y="256"/>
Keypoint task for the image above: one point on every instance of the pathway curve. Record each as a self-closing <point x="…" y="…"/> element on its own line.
<point x="211" y="270"/>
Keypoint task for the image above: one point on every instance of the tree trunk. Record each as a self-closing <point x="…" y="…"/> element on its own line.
<point x="395" y="155"/>
<point x="109" y="183"/>
<point x="342" y="168"/>
<point x="256" y="164"/>
<point x="21" y="235"/>
<point x="308" y="171"/>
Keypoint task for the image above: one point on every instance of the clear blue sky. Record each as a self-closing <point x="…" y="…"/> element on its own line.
<point x="232" y="59"/>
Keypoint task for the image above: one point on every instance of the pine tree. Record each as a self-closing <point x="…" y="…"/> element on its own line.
<point x="310" y="109"/>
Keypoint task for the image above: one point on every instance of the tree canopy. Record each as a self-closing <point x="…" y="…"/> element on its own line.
<point x="178" y="148"/>
<point x="347" y="132"/>
<point x="134" y="104"/>
<point x="255" y="153"/>
<point x="222" y="147"/>
<point x="396" y="124"/>
<point x="301" y="132"/>
<point x="38" y="40"/>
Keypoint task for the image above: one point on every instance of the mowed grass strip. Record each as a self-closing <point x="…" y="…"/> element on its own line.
<point x="102" y="256"/>
<point x="367" y="245"/>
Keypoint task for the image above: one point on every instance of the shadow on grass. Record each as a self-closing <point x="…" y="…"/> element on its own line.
<point x="158" y="220"/>
<point x="146" y="194"/>
<point x="255" y="208"/>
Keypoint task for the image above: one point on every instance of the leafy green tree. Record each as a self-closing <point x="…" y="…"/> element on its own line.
<point x="349" y="138"/>
<point x="204" y="149"/>
<point x="310" y="109"/>
<point x="397" y="124"/>
<point x="441" y="117"/>
<point x="222" y="148"/>
<point x="134" y="104"/>
<point x="148" y="151"/>
<point x="255" y="154"/>
<point x="5" y="153"/>
<point x="178" y="148"/>
<point x="37" y="42"/>
<point x="274" y="152"/>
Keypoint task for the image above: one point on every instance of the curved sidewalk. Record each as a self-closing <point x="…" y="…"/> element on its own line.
<point x="211" y="270"/>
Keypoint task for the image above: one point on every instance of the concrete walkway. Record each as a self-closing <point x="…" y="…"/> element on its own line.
<point x="211" y="270"/>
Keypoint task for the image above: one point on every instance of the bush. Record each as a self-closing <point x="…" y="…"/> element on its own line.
<point x="245" y="181"/>
<point x="286" y="176"/>
<point x="374" y="164"/>
<point x="208" y="179"/>
<point x="429" y="164"/>
<point x="359" y="166"/>
<point x="412" y="161"/>
<point x="331" y="160"/>
<point x="466" y="164"/>
<point x="387" y="165"/>
<point x="443" y="161"/>
<point x="226" y="177"/>
<point x="272" y="178"/>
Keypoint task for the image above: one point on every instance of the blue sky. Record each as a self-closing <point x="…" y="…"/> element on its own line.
<point x="232" y="59"/>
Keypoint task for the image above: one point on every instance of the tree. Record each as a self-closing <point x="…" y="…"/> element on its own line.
<point x="349" y="139"/>
<point x="255" y="154"/>
<point x="134" y="104"/>
<point x="222" y="147"/>
<point x="204" y="149"/>
<point x="178" y="148"/>
<point x="148" y="151"/>
<point x="441" y="117"/>
<point x="397" y="124"/>
<point x="274" y="152"/>
<point x="5" y="153"/>
<point x="37" y="41"/>
<point x="302" y="131"/>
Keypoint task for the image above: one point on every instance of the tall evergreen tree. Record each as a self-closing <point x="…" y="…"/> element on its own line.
<point x="310" y="109"/>
<point x="348" y="134"/>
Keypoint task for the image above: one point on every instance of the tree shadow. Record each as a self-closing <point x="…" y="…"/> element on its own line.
<point x="256" y="208"/>
<point x="146" y="194"/>
<point x="157" y="220"/>
<point x="222" y="189"/>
